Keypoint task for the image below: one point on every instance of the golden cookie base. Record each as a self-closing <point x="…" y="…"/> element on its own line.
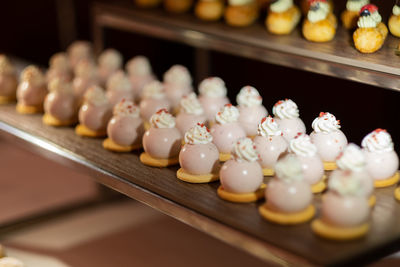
<point x="52" y="121"/>
<point x="242" y="198"/>
<point x="330" y="165"/>
<point x="112" y="146"/>
<point x="224" y="157"/>
<point x="148" y="160"/>
<point x="287" y="218"/>
<point x="339" y="233"/>
<point x="397" y="193"/>
<point x="318" y="187"/>
<point x="387" y="182"/>
<point x="82" y="130"/>
<point x="196" y="179"/>
<point x="7" y="99"/>
<point x="268" y="172"/>
<point x="24" y="109"/>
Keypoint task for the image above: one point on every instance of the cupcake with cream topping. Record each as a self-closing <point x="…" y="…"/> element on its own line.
<point x="177" y="83"/>
<point x="59" y="67"/>
<point x="241" y="177"/>
<point x="320" y="23"/>
<point x="307" y="154"/>
<point x="79" y="50"/>
<point x="227" y="130"/>
<point x="241" y="13"/>
<point x="209" y="10"/>
<point x="191" y="113"/>
<point x="162" y="142"/>
<point x="251" y="109"/>
<point x="109" y="61"/>
<point x="351" y="14"/>
<point x="125" y="129"/>
<point x="212" y="97"/>
<point x="178" y="6"/>
<point x="31" y="91"/>
<point x="328" y="138"/>
<point x="270" y="144"/>
<point x="394" y="20"/>
<point x="288" y="195"/>
<point x="283" y="17"/>
<point x="60" y="105"/>
<point x="94" y="114"/>
<point x="119" y="87"/>
<point x="199" y="157"/>
<point x="154" y="99"/>
<point x="345" y="209"/>
<point x="8" y="81"/>
<point x="140" y="74"/>
<point x="382" y="160"/>
<point x="286" y="114"/>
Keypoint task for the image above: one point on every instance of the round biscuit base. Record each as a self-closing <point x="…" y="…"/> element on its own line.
<point x="338" y="233"/>
<point x="148" y="160"/>
<point x="330" y="165"/>
<point x="7" y="99"/>
<point x="318" y="187"/>
<point x="397" y="193"/>
<point x="52" y="121"/>
<point x="268" y="172"/>
<point x="196" y="179"/>
<point x="224" y="157"/>
<point x="24" y="109"/>
<point x="112" y="146"/>
<point x="287" y="218"/>
<point x="82" y="130"/>
<point x="387" y="182"/>
<point x="242" y="198"/>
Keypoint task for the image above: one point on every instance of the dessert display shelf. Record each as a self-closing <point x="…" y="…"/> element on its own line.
<point x="198" y="204"/>
<point x="337" y="58"/>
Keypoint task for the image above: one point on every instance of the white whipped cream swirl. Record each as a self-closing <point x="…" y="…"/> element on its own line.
<point x="289" y="169"/>
<point x="191" y="105"/>
<point x="5" y="65"/>
<point x="268" y="127"/>
<point x="119" y="82"/>
<point x="356" y="5"/>
<point x="248" y="97"/>
<point x="281" y="6"/>
<point x="139" y="66"/>
<point x="346" y="184"/>
<point x="59" y="85"/>
<point x="245" y="150"/>
<point x="285" y="109"/>
<point x="325" y="123"/>
<point x="198" y="134"/>
<point x="154" y="89"/>
<point x="378" y="141"/>
<point x="396" y="10"/>
<point x="239" y="2"/>
<point x="352" y="158"/>
<point x="178" y="74"/>
<point x="110" y="58"/>
<point x="95" y="95"/>
<point x="213" y="87"/>
<point x="318" y="14"/>
<point x="126" y="108"/>
<point x="301" y="145"/>
<point x="162" y="119"/>
<point x="33" y="75"/>
<point x="227" y="114"/>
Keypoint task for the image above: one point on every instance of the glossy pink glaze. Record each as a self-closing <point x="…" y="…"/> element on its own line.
<point x="329" y="145"/>
<point x="95" y="117"/>
<point x="162" y="143"/>
<point x="138" y="83"/>
<point x="149" y="106"/>
<point x="115" y="96"/>
<point x="345" y="211"/>
<point x="290" y="127"/>
<point x="186" y="121"/>
<point x="80" y="86"/>
<point x="381" y="165"/>
<point x="225" y="135"/>
<point x="175" y="93"/>
<point x="313" y="168"/>
<point x="269" y="149"/>
<point x="60" y="105"/>
<point x="199" y="158"/>
<point x="241" y="177"/>
<point x="250" y="117"/>
<point x="212" y="105"/>
<point x="125" y="130"/>
<point x="104" y="74"/>
<point x="8" y="85"/>
<point x="288" y="197"/>
<point x="30" y="95"/>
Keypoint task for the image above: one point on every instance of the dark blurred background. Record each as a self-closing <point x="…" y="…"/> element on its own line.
<point x="34" y="30"/>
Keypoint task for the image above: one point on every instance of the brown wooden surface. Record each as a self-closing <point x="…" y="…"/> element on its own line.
<point x="202" y="199"/>
<point x="337" y="58"/>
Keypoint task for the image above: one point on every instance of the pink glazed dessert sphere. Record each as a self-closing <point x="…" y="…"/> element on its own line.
<point x="250" y="117"/>
<point x="383" y="165"/>
<point x="329" y="145"/>
<point x="198" y="159"/>
<point x="269" y="149"/>
<point x="241" y="177"/>
<point x="313" y="168"/>
<point x="125" y="130"/>
<point x="186" y="121"/>
<point x="225" y="135"/>
<point x="291" y="127"/>
<point x="95" y="117"/>
<point x="212" y="105"/>
<point x="162" y="143"/>
<point x="149" y="106"/>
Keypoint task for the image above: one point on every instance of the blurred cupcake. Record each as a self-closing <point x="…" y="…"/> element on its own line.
<point x="177" y="83"/>
<point x="59" y="67"/>
<point x="190" y="114"/>
<point x="178" y="6"/>
<point x="241" y="13"/>
<point x="283" y="17"/>
<point x="140" y="74"/>
<point x="79" y="50"/>
<point x="209" y="10"/>
<point x="119" y="87"/>
<point x="8" y="81"/>
<point x="109" y="61"/>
